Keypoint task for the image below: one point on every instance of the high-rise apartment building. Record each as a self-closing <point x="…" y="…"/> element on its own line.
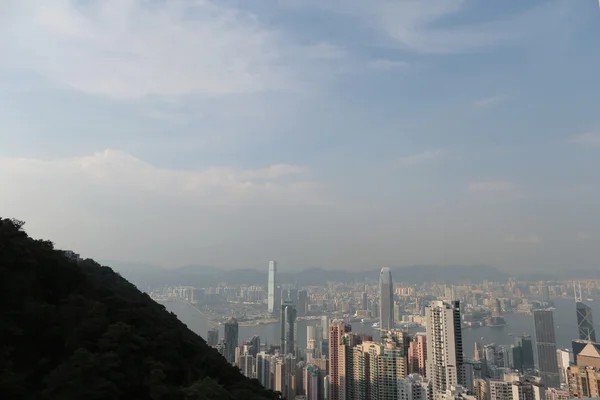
<point x="337" y="330"/>
<point x="213" y="337"/>
<point x="413" y="387"/>
<point x="585" y="322"/>
<point x="386" y="299"/>
<point x="272" y="287"/>
<point x="231" y="328"/>
<point x="444" y="346"/>
<point x="288" y="328"/>
<point x="546" y="347"/>
<point x="312" y="381"/>
<point x="417" y="354"/>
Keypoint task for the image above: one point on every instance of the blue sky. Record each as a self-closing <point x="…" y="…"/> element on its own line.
<point x="337" y="134"/>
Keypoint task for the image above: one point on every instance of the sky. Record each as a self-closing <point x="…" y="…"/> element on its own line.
<point x="339" y="134"/>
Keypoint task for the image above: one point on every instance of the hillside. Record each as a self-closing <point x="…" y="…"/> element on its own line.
<point x="77" y="330"/>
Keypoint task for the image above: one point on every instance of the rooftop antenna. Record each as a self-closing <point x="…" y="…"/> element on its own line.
<point x="578" y="297"/>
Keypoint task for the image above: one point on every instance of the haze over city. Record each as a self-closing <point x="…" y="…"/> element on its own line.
<point x="334" y="134"/>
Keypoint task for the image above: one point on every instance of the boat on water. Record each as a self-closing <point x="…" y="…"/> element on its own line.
<point x="368" y="320"/>
<point x="375" y="325"/>
<point x="590" y="299"/>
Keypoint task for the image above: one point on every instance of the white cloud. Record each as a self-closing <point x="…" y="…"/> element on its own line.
<point x="324" y="51"/>
<point x="387" y="65"/>
<point x="527" y="239"/>
<point x="423" y="26"/>
<point x="588" y="139"/>
<point x="426" y="157"/>
<point x="118" y="171"/>
<point x="134" y="48"/>
<point x="491" y="186"/>
<point x="489" y="101"/>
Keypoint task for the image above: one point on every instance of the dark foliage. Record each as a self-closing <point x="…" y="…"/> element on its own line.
<point x="77" y="330"/>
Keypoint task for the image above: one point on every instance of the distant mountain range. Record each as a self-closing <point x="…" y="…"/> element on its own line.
<point x="202" y="276"/>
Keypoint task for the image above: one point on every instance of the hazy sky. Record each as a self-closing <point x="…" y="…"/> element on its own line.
<point x="328" y="133"/>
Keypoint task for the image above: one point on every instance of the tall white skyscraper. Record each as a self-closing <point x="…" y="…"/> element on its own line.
<point x="386" y="299"/>
<point x="271" y="287"/>
<point x="444" y="346"/>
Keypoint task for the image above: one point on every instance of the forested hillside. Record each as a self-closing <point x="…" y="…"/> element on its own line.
<point x="77" y="330"/>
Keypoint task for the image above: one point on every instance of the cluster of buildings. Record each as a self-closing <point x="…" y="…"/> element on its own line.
<point x="336" y="363"/>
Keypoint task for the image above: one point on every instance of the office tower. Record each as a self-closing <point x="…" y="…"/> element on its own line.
<point x="231" y="338"/>
<point x="478" y="352"/>
<point x="263" y="369"/>
<point x="213" y="337"/>
<point x="302" y="307"/>
<point x="444" y="345"/>
<point x="312" y="341"/>
<point x="272" y="306"/>
<point x="417" y="354"/>
<point x="585" y="322"/>
<point x="386" y="299"/>
<point x="525" y="346"/>
<point x="288" y="328"/>
<point x="247" y="364"/>
<point x="222" y="348"/>
<point x="325" y="336"/>
<point x="365" y="301"/>
<point x="545" y="294"/>
<point x="546" y="347"/>
<point x="564" y="361"/>
<point x="252" y="345"/>
<point x="337" y="329"/>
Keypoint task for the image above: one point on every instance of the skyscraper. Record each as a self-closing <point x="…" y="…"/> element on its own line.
<point x="302" y="306"/>
<point x="386" y="299"/>
<point x="337" y="329"/>
<point x="271" y="287"/>
<point x="417" y="355"/>
<point x="546" y="347"/>
<point x="525" y="347"/>
<point x="231" y="338"/>
<point x="213" y="337"/>
<point x="288" y="327"/>
<point x="585" y="322"/>
<point x="444" y="345"/>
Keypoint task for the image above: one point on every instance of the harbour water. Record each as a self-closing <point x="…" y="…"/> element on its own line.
<point x="565" y="321"/>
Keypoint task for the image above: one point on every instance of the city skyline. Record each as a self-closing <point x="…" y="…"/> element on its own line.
<point x="412" y="133"/>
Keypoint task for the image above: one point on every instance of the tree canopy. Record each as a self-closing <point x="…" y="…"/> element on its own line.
<point x="73" y="329"/>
